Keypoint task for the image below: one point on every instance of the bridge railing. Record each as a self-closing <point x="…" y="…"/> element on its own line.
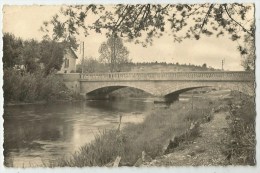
<point x="191" y="76"/>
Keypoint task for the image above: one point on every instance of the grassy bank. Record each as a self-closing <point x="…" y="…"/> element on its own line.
<point x="151" y="136"/>
<point x="240" y="145"/>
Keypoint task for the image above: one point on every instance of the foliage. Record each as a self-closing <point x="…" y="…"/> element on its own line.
<point x="51" y="55"/>
<point x="147" y="21"/>
<point x="59" y="30"/>
<point x="11" y="85"/>
<point x="11" y="49"/>
<point x="240" y="145"/>
<point x="248" y="53"/>
<point x="91" y="65"/>
<point x="29" y="68"/>
<point x="31" y="55"/>
<point x="114" y="53"/>
<point x="30" y="87"/>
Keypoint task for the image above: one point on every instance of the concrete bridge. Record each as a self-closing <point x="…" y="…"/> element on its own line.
<point x="159" y="84"/>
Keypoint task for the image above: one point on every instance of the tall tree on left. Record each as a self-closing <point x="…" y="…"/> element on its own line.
<point x="12" y="48"/>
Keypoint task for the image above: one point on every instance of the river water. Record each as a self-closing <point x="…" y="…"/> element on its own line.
<point x="34" y="134"/>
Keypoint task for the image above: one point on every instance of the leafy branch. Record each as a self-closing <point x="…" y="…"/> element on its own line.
<point x="229" y="15"/>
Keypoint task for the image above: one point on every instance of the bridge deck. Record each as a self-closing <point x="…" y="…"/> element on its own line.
<point x="186" y="76"/>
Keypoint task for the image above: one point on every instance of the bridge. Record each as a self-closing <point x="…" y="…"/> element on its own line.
<point x="159" y="84"/>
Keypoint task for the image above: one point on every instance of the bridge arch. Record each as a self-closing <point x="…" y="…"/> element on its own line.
<point x="106" y="88"/>
<point x="246" y="88"/>
<point x="109" y="89"/>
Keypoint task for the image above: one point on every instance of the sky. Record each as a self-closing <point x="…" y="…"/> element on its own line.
<point x="25" y="22"/>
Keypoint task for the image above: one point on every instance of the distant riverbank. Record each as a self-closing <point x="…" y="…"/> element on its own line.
<point x="16" y="103"/>
<point x="24" y="103"/>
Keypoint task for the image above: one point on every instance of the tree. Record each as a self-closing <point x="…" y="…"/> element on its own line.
<point x="31" y="53"/>
<point x="30" y="56"/>
<point x="135" y="22"/>
<point x="91" y="65"/>
<point x="204" y="65"/>
<point x="248" y="54"/>
<point x="12" y="48"/>
<point x="114" y="53"/>
<point x="51" y="55"/>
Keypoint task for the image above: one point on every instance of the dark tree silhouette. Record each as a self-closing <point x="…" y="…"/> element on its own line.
<point x="12" y="48"/>
<point x="51" y="55"/>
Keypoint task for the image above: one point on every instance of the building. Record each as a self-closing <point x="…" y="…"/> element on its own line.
<point x="69" y="61"/>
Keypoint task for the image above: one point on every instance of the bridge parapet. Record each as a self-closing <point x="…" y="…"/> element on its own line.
<point x="178" y="76"/>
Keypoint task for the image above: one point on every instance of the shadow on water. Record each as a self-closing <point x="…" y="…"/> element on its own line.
<point x="119" y="105"/>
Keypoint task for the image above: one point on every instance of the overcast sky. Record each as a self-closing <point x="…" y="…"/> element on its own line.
<point x="25" y="21"/>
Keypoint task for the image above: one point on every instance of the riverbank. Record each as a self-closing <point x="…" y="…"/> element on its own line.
<point x="202" y="151"/>
<point x="229" y="139"/>
<point x="24" y="103"/>
<point x="152" y="136"/>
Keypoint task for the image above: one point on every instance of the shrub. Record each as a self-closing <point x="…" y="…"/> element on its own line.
<point x="52" y="88"/>
<point x="11" y="85"/>
<point x="29" y="87"/>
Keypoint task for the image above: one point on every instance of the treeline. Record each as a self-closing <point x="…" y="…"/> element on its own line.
<point x="29" y="67"/>
<point x="31" y="55"/>
<point x="92" y="65"/>
<point x="163" y="66"/>
<point x="170" y="64"/>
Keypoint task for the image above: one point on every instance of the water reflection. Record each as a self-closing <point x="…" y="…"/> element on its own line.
<point x="34" y="133"/>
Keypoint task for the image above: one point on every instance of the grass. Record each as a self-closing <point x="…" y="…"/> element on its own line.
<point x="151" y="136"/>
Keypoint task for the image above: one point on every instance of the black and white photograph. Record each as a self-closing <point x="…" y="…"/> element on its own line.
<point x="129" y="84"/>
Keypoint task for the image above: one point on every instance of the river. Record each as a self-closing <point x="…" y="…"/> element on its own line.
<point x="35" y="134"/>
